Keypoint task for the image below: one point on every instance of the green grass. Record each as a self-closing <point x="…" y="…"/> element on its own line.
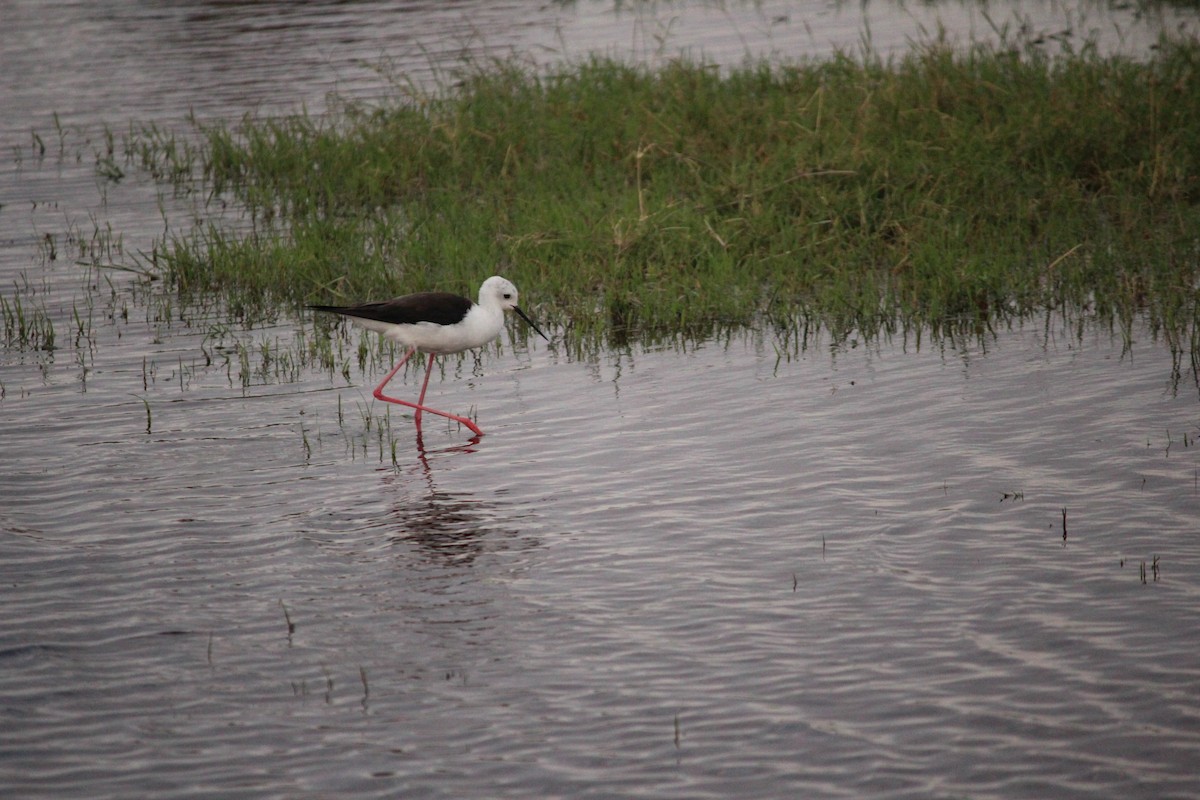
<point x="942" y="191"/>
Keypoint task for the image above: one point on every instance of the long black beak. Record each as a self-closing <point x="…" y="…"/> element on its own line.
<point x="521" y="314"/>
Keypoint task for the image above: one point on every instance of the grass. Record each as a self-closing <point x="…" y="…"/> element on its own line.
<point x="27" y="326"/>
<point x="35" y="312"/>
<point x="943" y="191"/>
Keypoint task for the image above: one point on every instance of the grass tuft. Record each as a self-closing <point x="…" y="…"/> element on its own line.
<point x="942" y="191"/>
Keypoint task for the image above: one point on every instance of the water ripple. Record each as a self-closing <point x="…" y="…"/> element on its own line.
<point x="867" y="571"/>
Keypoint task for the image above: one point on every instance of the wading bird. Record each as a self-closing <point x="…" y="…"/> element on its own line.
<point x="437" y="323"/>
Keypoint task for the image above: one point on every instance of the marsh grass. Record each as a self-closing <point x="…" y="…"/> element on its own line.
<point x="26" y="325"/>
<point x="942" y="191"/>
<point x="39" y="311"/>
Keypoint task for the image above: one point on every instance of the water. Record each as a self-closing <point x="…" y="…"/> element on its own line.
<point x="701" y="571"/>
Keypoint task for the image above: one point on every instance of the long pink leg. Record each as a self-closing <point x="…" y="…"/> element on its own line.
<point x="424" y="386"/>
<point x="420" y="404"/>
<point x="379" y="395"/>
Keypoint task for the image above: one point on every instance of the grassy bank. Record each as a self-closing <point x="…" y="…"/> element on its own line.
<point x="942" y="189"/>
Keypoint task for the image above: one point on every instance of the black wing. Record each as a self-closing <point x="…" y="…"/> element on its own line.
<point x="440" y="308"/>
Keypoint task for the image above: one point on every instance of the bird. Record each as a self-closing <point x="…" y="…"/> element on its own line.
<point x="439" y="324"/>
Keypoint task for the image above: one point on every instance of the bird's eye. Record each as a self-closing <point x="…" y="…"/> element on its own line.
<point x="507" y="296"/>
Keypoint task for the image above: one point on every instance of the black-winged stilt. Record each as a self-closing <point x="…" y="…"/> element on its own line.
<point x="437" y="323"/>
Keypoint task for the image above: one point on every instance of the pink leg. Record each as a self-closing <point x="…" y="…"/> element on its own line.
<point x="424" y="386"/>
<point x="420" y="404"/>
<point x="379" y="395"/>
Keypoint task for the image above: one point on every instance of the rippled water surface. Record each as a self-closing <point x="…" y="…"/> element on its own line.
<point x="739" y="568"/>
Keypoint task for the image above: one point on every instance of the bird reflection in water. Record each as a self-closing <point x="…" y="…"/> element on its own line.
<point x="450" y="528"/>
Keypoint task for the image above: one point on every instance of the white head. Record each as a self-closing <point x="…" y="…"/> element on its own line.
<point x="500" y="292"/>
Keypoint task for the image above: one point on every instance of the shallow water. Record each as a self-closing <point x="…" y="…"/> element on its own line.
<point x="160" y="61"/>
<point x="735" y="568"/>
<point x="665" y="573"/>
